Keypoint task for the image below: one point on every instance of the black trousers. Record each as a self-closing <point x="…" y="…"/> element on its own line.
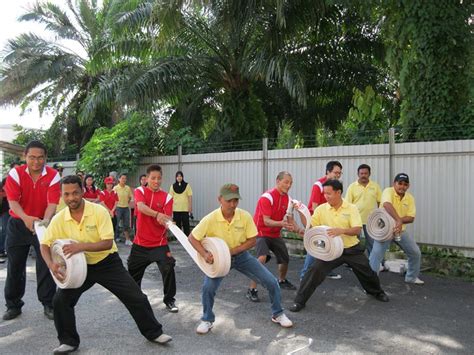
<point x="111" y="274"/>
<point x="355" y="258"/>
<point x="139" y="259"/>
<point x="182" y="221"/>
<point x="19" y="240"/>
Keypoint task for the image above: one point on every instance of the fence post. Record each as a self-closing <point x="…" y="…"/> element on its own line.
<point x="180" y="157"/>
<point x="264" y="164"/>
<point x="391" y="152"/>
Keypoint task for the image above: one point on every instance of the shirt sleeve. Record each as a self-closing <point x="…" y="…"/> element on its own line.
<point x="104" y="227"/>
<point x="386" y="196"/>
<point x="168" y="207"/>
<point x="54" y="190"/>
<point x="54" y="231"/>
<point x="12" y="186"/>
<point x="190" y="190"/>
<point x="250" y="227"/>
<point x="316" y="217"/>
<point x="139" y="196"/>
<point x="356" y="220"/>
<point x="171" y="190"/>
<point x="201" y="230"/>
<point x="265" y="206"/>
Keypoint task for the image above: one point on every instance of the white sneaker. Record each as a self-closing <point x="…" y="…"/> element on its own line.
<point x="128" y="242"/>
<point x="204" y="327"/>
<point x="283" y="320"/>
<point x="417" y="281"/>
<point x="64" y="349"/>
<point x="163" y="339"/>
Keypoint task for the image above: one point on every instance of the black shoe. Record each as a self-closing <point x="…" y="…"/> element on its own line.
<point x="171" y="307"/>
<point x="49" y="312"/>
<point x="252" y="295"/>
<point x="334" y="276"/>
<point x="3" y="258"/>
<point x="287" y="285"/>
<point x="382" y="297"/>
<point x="296" y="307"/>
<point x="11" y="313"/>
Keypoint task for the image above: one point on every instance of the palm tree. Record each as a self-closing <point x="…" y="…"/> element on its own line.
<point x="56" y="74"/>
<point x="222" y="64"/>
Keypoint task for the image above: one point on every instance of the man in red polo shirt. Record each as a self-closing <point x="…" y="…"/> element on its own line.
<point x="33" y="193"/>
<point x="333" y="172"/>
<point x="155" y="208"/>
<point x="109" y="199"/>
<point x="270" y="218"/>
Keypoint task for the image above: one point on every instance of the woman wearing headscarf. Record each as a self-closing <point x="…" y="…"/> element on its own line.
<point x="182" y="202"/>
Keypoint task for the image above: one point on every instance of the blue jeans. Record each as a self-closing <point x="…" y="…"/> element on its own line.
<point x="122" y="214"/>
<point x="308" y="261"/>
<point x="3" y="233"/>
<point x="408" y="245"/>
<point x="250" y="267"/>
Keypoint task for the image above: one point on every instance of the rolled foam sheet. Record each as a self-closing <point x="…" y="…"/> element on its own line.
<point x="216" y="246"/>
<point x="380" y="225"/>
<point x="40" y="230"/>
<point x="74" y="268"/>
<point x="319" y="245"/>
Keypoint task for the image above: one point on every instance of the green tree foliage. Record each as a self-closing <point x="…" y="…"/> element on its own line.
<point x="429" y="47"/>
<point x="119" y="148"/>
<point x="368" y="120"/>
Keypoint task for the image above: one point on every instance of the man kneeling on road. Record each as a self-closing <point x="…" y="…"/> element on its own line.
<point x="344" y="218"/>
<point x="237" y="228"/>
<point x="89" y="224"/>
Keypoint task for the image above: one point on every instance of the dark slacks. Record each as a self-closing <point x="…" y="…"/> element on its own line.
<point x="111" y="274"/>
<point x="139" y="259"/>
<point x="19" y="240"/>
<point x="355" y="258"/>
<point x="182" y="221"/>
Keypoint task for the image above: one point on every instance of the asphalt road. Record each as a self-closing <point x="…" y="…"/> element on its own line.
<point x="436" y="318"/>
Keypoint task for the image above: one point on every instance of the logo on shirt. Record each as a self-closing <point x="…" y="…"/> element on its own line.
<point x="346" y="215"/>
<point x="239" y="228"/>
<point x="91" y="228"/>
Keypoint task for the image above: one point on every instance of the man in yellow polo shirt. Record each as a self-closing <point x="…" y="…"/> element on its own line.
<point x="237" y="228"/>
<point x="365" y="194"/>
<point x="400" y="204"/>
<point x="89" y="224"/>
<point x="344" y="220"/>
<point x="122" y="210"/>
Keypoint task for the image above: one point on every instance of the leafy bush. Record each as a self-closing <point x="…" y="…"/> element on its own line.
<point x="121" y="147"/>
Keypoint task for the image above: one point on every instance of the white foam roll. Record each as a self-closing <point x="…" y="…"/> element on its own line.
<point x="380" y="225"/>
<point x="40" y="230"/>
<point x="74" y="268"/>
<point x="319" y="245"/>
<point x="300" y="207"/>
<point x="216" y="246"/>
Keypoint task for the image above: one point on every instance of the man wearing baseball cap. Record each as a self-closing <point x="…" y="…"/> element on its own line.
<point x="237" y="228"/>
<point x="400" y="204"/>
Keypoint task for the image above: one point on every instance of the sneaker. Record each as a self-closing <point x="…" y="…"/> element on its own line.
<point x="49" y="312"/>
<point x="128" y="243"/>
<point x="163" y="339"/>
<point x="11" y="313"/>
<point x="3" y="258"/>
<point x="64" y="349"/>
<point x="287" y="285"/>
<point x="171" y="307"/>
<point x="383" y="268"/>
<point x="334" y="276"/>
<point x="252" y="295"/>
<point x="382" y="297"/>
<point x="283" y="320"/>
<point x="204" y="327"/>
<point x="417" y="281"/>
